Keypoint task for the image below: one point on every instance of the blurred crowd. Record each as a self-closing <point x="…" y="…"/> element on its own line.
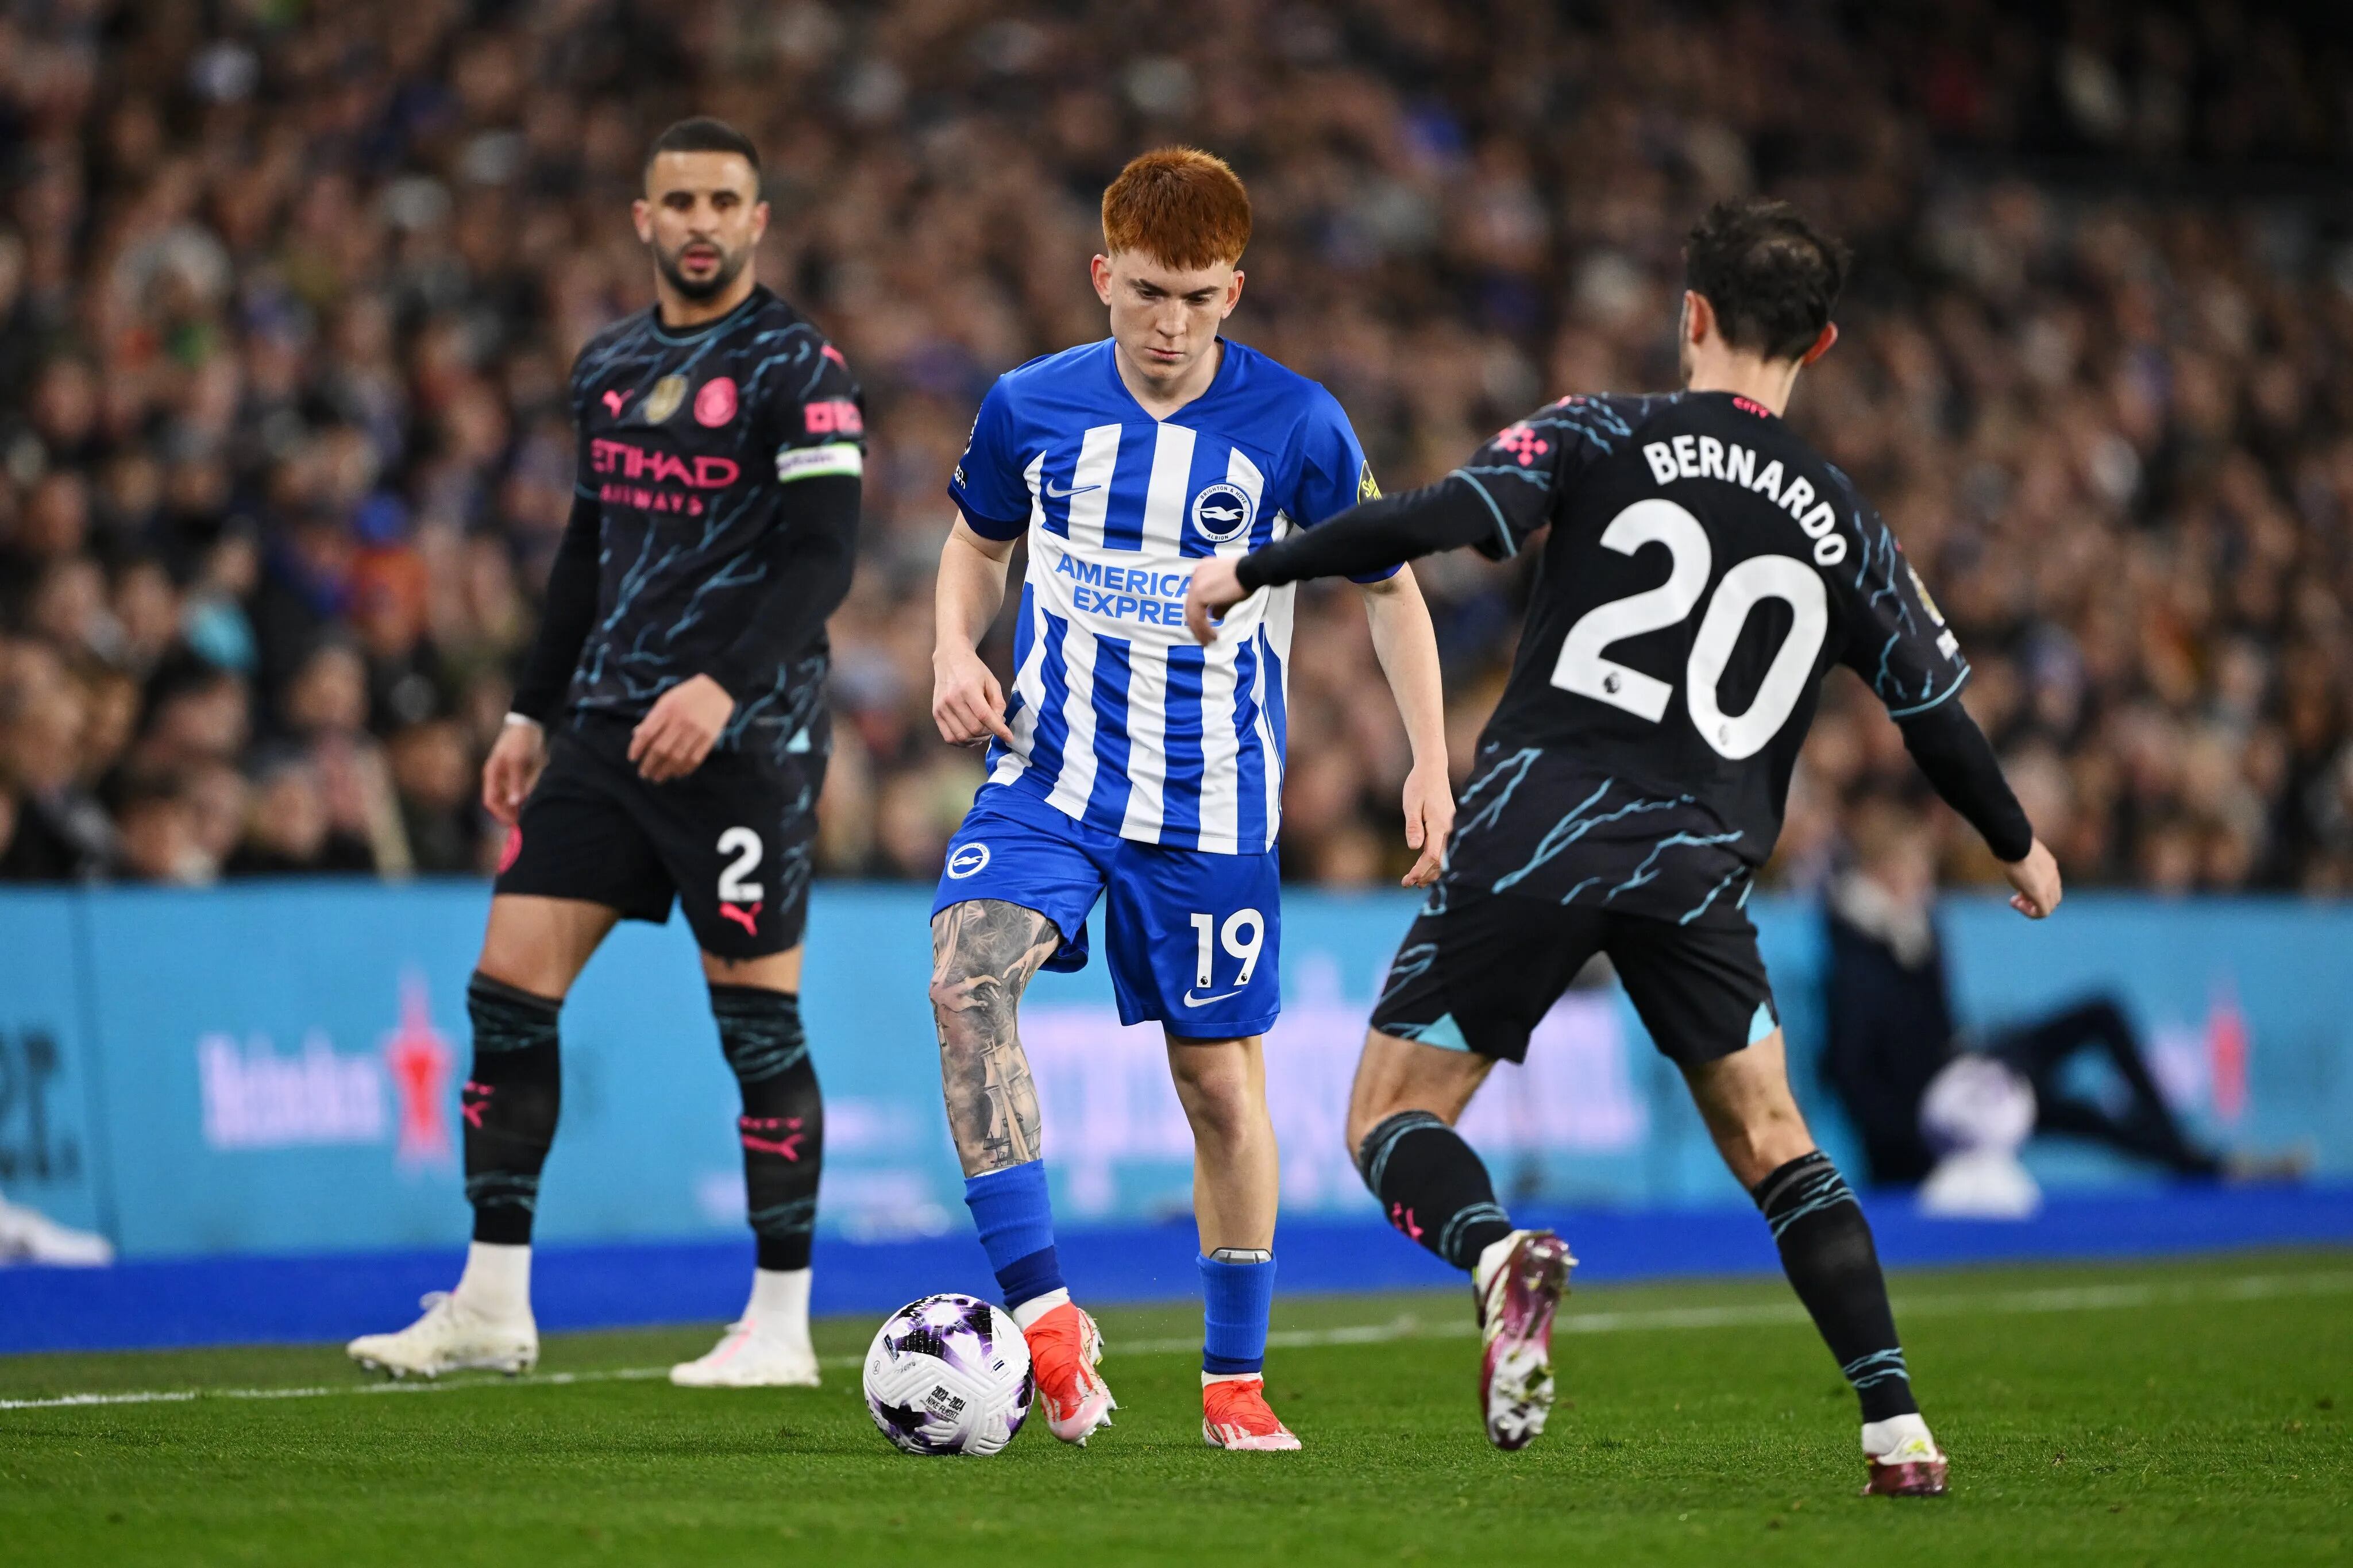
<point x="289" y="292"/>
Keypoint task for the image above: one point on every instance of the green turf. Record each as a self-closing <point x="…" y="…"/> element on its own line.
<point x="2183" y="1413"/>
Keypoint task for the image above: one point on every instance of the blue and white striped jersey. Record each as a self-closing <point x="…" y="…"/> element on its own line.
<point x="1119" y="718"/>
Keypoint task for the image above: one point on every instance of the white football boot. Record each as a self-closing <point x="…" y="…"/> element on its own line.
<point x="451" y="1336"/>
<point x="31" y="1237"/>
<point x="767" y="1346"/>
<point x="750" y="1355"/>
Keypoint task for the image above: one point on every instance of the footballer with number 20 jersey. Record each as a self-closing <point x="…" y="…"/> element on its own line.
<point x="1705" y="569"/>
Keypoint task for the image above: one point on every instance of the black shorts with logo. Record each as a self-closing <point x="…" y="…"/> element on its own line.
<point x="1480" y="974"/>
<point x="1551" y="864"/>
<point x="731" y="841"/>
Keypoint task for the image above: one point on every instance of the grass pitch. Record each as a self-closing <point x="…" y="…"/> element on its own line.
<point x="2181" y="1413"/>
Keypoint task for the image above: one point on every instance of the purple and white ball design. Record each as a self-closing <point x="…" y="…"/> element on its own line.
<point x="949" y="1374"/>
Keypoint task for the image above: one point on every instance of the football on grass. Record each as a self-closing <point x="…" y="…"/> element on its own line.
<point x="949" y="1374"/>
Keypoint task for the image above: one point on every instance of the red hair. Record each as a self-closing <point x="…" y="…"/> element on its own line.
<point x="1180" y="206"/>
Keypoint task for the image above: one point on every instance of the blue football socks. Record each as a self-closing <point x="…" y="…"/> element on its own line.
<point x="1237" y="1297"/>
<point x="1017" y="1230"/>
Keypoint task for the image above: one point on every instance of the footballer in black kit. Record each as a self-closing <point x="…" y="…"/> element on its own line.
<point x="1704" y="569"/>
<point x="1705" y="572"/>
<point x="668" y="744"/>
<point x="684" y="557"/>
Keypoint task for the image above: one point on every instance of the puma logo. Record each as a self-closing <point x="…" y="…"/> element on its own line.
<point x="788" y="1144"/>
<point x="614" y="398"/>
<point x="748" y="918"/>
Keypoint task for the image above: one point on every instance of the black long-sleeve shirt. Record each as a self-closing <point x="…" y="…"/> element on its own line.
<point x="715" y="521"/>
<point x="1583" y="464"/>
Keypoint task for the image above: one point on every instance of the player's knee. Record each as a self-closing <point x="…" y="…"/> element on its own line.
<point x="970" y="1006"/>
<point x="1764" y="1141"/>
<point x="1219" y="1093"/>
<point x="767" y="1047"/>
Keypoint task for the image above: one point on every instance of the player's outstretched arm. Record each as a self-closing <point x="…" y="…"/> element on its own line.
<point x="1407" y="645"/>
<point x="967" y="701"/>
<point x="1361" y="540"/>
<point x="1959" y="760"/>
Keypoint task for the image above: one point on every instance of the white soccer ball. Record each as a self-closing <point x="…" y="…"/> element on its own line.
<point x="949" y="1374"/>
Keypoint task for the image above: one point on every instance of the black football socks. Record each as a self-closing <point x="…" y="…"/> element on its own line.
<point x="1826" y="1251"/>
<point x="1433" y="1186"/>
<point x="783" y="1125"/>
<point x="511" y="1097"/>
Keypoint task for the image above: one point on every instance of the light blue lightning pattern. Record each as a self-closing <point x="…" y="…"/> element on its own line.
<point x="1647" y="872"/>
<point x="1576" y="825"/>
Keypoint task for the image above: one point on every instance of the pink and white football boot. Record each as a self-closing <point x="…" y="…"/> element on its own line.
<point x="1518" y="1285"/>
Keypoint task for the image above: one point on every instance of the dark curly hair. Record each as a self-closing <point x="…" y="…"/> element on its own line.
<point x="1771" y="275"/>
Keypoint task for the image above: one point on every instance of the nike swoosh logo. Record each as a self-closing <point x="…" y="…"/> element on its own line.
<point x="1053" y="494"/>
<point x="1193" y="1001"/>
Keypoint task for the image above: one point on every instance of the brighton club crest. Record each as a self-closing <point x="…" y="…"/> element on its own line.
<point x="1223" y="511"/>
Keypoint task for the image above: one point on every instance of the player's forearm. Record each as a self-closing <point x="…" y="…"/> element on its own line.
<point x="1407" y="645"/>
<point x="564" y="617"/>
<point x="968" y="591"/>
<point x="1958" y="761"/>
<point x="1374" y="536"/>
<point x="810" y="564"/>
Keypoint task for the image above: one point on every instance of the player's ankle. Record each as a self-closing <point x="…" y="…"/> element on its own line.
<point x="1494" y="1254"/>
<point x="1884" y="1438"/>
<point x="496" y="1284"/>
<point x="1026" y="1314"/>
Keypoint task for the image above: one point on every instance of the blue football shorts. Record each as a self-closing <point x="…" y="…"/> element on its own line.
<point x="1193" y="938"/>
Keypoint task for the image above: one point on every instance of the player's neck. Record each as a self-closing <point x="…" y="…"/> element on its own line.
<point x="1767" y="381"/>
<point x="678" y="313"/>
<point x="1163" y="398"/>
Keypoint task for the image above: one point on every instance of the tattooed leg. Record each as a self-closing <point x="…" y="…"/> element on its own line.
<point x="983" y="954"/>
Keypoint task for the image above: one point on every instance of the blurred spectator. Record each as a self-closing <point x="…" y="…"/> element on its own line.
<point x="158" y="834"/>
<point x="288" y="295"/>
<point x="288" y="829"/>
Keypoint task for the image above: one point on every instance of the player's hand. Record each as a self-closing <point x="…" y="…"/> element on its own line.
<point x="2036" y="878"/>
<point x="1216" y="588"/>
<point x="967" y="703"/>
<point x="513" y="768"/>
<point x="679" y="729"/>
<point x="1428" y="821"/>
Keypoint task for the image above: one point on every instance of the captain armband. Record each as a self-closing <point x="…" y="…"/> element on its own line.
<point x="843" y="457"/>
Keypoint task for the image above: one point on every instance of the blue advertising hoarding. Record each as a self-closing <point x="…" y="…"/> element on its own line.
<point x="275" y="1067"/>
<point x="51" y="1155"/>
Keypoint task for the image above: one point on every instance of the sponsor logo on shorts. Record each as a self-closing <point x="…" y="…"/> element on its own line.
<point x="512" y="851"/>
<point x="966" y="860"/>
<point x="748" y="918"/>
<point x="1193" y="1001"/>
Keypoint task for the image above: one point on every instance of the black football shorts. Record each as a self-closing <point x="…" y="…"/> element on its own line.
<point x="731" y="841"/>
<point x="1480" y="974"/>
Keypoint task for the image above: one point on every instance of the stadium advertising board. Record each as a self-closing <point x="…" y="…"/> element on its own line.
<point x="48" y="1160"/>
<point x="276" y="1067"/>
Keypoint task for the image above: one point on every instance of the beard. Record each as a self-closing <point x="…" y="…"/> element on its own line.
<point x="731" y="266"/>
